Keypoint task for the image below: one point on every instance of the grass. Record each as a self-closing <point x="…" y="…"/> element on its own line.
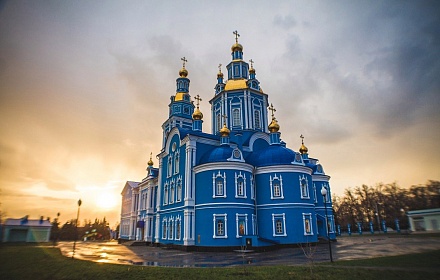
<point x="34" y="262"/>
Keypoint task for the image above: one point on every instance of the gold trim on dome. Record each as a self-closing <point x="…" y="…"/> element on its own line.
<point x="236" y="84"/>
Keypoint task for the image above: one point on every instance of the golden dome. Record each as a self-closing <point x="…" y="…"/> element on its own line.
<point x="237" y="47"/>
<point x="150" y="162"/>
<point x="274" y="126"/>
<point x="197" y="115"/>
<point x="219" y="74"/>
<point x="303" y="149"/>
<point x="236" y="84"/>
<point x="179" y="96"/>
<point x="224" y="132"/>
<point x="252" y="71"/>
<point x="183" y="72"/>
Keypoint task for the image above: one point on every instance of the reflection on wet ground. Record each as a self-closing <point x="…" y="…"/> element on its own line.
<point x="346" y="248"/>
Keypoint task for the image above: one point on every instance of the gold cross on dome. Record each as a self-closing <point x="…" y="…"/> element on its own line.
<point x="302" y="138"/>
<point x="198" y="100"/>
<point x="184" y="61"/>
<point x="220" y="67"/>
<point x="252" y="63"/>
<point x="236" y="36"/>
<point x="271" y="108"/>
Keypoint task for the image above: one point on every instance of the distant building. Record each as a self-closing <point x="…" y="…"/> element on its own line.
<point x="424" y="220"/>
<point x="26" y="230"/>
<point x="236" y="186"/>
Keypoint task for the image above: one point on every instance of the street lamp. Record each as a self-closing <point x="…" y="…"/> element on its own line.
<point x="324" y="194"/>
<point x="76" y="229"/>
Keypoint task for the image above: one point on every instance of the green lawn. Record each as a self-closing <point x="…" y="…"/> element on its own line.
<point x="32" y="262"/>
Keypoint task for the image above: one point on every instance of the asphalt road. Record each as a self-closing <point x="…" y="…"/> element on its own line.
<point x="346" y="248"/>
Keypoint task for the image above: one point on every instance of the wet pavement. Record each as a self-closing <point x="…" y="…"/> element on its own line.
<point x="346" y="248"/>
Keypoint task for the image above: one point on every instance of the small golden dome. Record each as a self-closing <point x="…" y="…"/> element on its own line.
<point x="224" y="132"/>
<point x="252" y="71"/>
<point x="183" y="72"/>
<point x="197" y="115"/>
<point x="237" y="47"/>
<point x="274" y="126"/>
<point x="303" y="149"/>
<point x="219" y="74"/>
<point x="150" y="162"/>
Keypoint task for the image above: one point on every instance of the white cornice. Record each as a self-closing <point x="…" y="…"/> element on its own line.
<point x="284" y="168"/>
<point x="224" y="166"/>
<point x="317" y="177"/>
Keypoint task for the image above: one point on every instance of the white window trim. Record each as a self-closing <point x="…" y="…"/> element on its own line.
<point x="237" y="226"/>
<point x="166" y="194"/>
<point x="224" y="217"/>
<point x="274" y="218"/>
<point x="257" y="112"/>
<point x="307" y="196"/>
<point x="164" y="229"/>
<point x="179" y="190"/>
<point x="170" y="166"/>
<point x="171" y="229"/>
<point x="309" y="216"/>
<point x="280" y="179"/>
<point x="332" y="223"/>
<point x="236" y="121"/>
<point x="214" y="184"/>
<point x="241" y="177"/>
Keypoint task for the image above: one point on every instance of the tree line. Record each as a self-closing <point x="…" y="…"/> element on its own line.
<point x="386" y="202"/>
<point x="98" y="230"/>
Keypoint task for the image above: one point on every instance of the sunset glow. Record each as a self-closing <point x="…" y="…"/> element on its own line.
<point x="85" y="88"/>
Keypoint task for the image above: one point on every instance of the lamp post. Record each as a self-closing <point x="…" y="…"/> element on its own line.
<point x="378" y="216"/>
<point x="76" y="229"/>
<point x="324" y="194"/>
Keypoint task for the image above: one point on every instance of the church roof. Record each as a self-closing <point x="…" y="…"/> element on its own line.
<point x="219" y="154"/>
<point x="272" y="155"/>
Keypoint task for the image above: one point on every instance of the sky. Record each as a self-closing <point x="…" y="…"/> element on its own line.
<point x="85" y="88"/>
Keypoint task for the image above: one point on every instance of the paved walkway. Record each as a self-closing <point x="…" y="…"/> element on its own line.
<point x="346" y="248"/>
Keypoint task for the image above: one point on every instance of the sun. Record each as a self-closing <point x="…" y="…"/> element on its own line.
<point x="106" y="201"/>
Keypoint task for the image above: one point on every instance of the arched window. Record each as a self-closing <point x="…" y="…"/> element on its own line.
<point x="172" y="193"/>
<point x="178" y="229"/>
<point x="219" y="122"/>
<point x="236" y="120"/>
<point x="170" y="166"/>
<point x="179" y="190"/>
<point x="164" y="229"/>
<point x="276" y="187"/>
<point x="257" y="119"/>
<point x="304" y="185"/>
<point x="176" y="163"/>
<point x="170" y="231"/>
<point x="165" y="195"/>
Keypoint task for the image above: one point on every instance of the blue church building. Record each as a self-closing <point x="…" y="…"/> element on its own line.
<point x="238" y="185"/>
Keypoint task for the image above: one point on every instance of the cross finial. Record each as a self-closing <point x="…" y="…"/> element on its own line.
<point x="151" y="155"/>
<point x="252" y="63"/>
<point x="271" y="108"/>
<point x="184" y="61"/>
<point x="198" y="100"/>
<point x="236" y="36"/>
<point x="220" y="67"/>
<point x="302" y="139"/>
<point x="224" y="118"/>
